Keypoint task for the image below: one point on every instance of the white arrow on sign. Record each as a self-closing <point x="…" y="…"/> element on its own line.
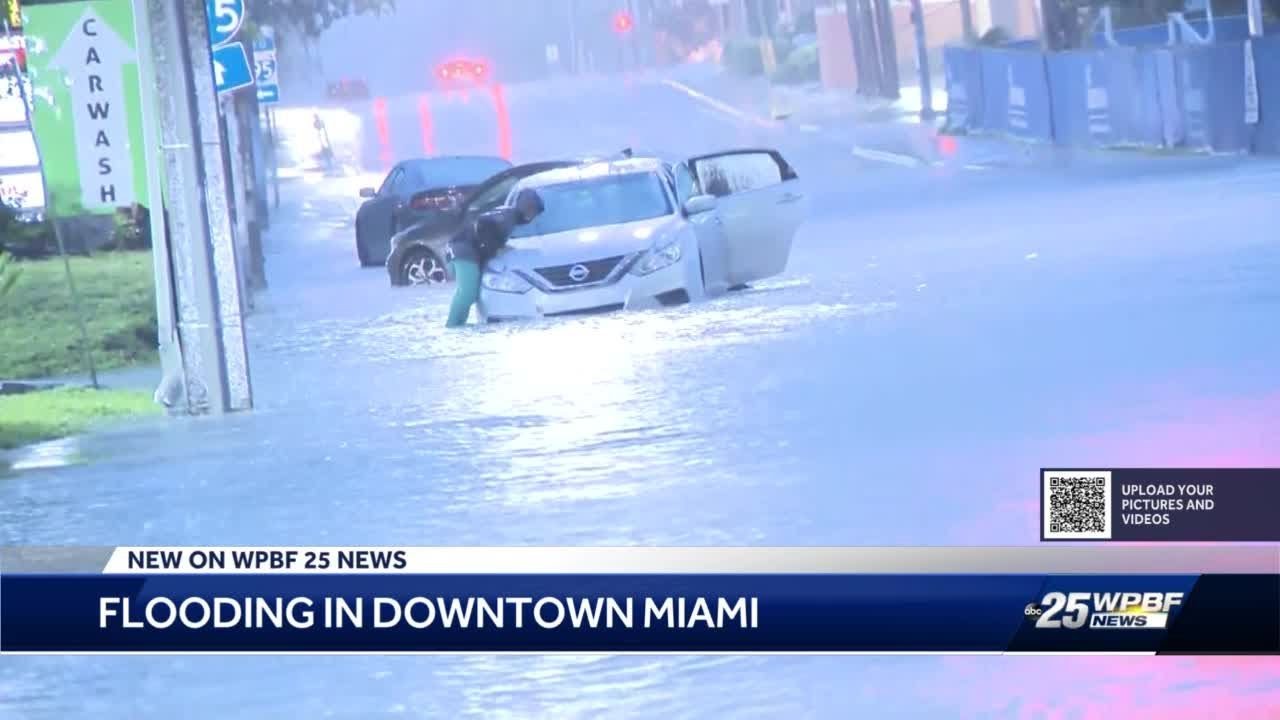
<point x="93" y="57"/>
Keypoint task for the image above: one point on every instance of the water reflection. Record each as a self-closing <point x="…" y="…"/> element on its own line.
<point x="46" y="455"/>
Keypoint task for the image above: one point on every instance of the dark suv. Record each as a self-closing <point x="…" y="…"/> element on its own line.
<point x="418" y="253"/>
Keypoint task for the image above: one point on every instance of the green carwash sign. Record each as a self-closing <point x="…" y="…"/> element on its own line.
<point x="87" y="116"/>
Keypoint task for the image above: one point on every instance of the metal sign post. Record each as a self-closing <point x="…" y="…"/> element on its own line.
<point x="1250" y="85"/>
<point x="922" y="58"/>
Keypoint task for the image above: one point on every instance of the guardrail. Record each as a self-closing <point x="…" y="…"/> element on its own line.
<point x="1172" y="96"/>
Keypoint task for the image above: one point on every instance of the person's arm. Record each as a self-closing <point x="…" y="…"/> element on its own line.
<point x="462" y="246"/>
<point x="494" y="228"/>
<point x="507" y="224"/>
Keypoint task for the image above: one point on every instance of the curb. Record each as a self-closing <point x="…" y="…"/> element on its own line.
<point x="20" y="387"/>
<point x="996" y="151"/>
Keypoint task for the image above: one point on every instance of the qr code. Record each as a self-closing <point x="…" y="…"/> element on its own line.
<point x="1077" y="505"/>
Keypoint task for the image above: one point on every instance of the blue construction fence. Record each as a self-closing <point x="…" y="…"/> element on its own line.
<point x="1171" y="96"/>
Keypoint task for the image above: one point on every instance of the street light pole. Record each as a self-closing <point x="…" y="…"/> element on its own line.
<point x="205" y="272"/>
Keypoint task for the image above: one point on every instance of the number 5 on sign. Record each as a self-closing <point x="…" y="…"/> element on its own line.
<point x="225" y="19"/>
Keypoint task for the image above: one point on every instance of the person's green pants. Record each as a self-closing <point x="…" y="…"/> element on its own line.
<point x="467" y="276"/>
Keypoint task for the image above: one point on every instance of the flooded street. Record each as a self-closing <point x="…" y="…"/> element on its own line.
<point x="940" y="334"/>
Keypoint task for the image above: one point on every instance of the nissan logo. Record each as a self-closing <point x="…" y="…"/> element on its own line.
<point x="578" y="273"/>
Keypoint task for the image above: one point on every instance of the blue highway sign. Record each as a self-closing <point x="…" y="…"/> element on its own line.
<point x="225" y="19"/>
<point x="231" y="69"/>
<point x="265" y="69"/>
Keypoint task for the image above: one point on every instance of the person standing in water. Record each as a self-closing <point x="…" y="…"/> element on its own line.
<point x="477" y="243"/>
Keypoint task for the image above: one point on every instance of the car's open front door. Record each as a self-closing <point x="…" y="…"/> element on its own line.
<point x="761" y="203"/>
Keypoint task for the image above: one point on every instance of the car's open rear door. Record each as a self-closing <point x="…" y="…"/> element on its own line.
<point x="761" y="204"/>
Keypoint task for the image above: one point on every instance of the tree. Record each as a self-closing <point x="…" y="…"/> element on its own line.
<point x="309" y="18"/>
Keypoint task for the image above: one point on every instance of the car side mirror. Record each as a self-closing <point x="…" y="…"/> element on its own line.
<point x="367" y="192"/>
<point x="699" y="204"/>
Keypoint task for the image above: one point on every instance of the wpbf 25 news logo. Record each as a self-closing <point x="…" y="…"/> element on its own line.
<point x="1104" y="610"/>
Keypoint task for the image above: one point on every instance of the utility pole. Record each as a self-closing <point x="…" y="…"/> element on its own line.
<point x="1251" y="109"/>
<point x="255" y="193"/>
<point x="257" y="147"/>
<point x="273" y="154"/>
<point x="757" y="12"/>
<point x="922" y="57"/>
<point x="888" y="50"/>
<point x="172" y="370"/>
<point x="858" y="16"/>
<point x="209" y="315"/>
<point x="966" y="21"/>
<point x="233" y="165"/>
<point x="630" y="48"/>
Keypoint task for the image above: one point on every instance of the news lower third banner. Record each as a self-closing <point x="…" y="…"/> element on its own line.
<point x="324" y="600"/>
<point x="1161" y="505"/>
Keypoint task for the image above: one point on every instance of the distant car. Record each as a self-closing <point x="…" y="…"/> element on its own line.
<point x="642" y="231"/>
<point x="349" y="89"/>
<point x="462" y="72"/>
<point x="418" y="252"/>
<point x="413" y="191"/>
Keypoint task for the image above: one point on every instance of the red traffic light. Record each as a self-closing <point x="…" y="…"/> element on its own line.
<point x="622" y="22"/>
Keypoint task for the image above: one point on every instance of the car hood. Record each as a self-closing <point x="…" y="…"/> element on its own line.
<point x="585" y="244"/>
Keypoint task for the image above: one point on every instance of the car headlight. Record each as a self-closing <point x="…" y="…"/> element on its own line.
<point x="506" y="282"/>
<point x="658" y="258"/>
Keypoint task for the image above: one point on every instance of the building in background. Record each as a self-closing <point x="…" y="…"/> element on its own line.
<point x="20" y="183"/>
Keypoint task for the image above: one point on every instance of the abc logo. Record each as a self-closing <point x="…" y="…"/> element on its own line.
<point x="1032" y="610"/>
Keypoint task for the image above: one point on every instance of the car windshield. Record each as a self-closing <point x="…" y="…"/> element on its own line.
<point x="600" y="201"/>
<point x="445" y="172"/>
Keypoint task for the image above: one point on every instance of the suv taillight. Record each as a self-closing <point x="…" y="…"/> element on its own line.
<point x="432" y="201"/>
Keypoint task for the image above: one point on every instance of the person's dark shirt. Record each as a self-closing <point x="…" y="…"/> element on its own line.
<point x="480" y="240"/>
